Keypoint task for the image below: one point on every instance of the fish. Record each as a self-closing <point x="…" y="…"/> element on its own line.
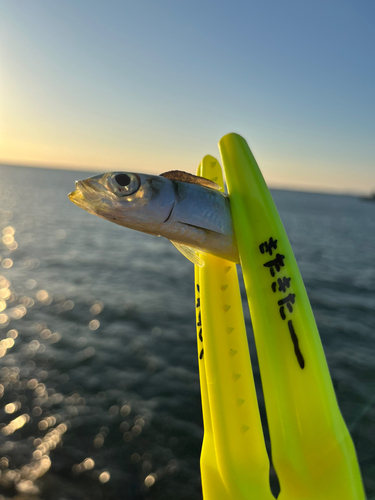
<point x="192" y="212"/>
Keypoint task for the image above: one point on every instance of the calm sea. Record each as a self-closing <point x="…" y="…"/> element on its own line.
<point x="98" y="362"/>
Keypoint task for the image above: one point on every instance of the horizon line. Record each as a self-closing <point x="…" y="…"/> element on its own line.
<point x="277" y="187"/>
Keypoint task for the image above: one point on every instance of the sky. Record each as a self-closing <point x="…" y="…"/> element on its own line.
<point x="151" y="86"/>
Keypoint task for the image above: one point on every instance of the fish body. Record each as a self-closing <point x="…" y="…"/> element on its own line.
<point x="188" y="210"/>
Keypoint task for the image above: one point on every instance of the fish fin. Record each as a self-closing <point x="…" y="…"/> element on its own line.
<point x="178" y="175"/>
<point x="189" y="253"/>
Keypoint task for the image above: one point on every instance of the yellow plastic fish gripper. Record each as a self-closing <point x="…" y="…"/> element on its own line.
<point x="312" y="451"/>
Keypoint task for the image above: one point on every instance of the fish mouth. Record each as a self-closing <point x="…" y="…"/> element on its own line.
<point x="84" y="195"/>
<point x="77" y="197"/>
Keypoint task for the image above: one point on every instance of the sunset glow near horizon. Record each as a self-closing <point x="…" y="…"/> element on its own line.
<point x="146" y="86"/>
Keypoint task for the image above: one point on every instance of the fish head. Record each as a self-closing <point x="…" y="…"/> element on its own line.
<point x="126" y="198"/>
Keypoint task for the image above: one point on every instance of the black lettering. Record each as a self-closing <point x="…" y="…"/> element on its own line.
<point x="267" y="247"/>
<point x="288" y="301"/>
<point x="283" y="283"/>
<point x="277" y="263"/>
<point x="199" y="319"/>
<point x="297" y="350"/>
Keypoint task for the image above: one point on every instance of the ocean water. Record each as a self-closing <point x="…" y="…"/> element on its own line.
<point x="98" y="361"/>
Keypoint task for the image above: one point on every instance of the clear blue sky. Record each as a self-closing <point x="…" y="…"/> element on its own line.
<point x="153" y="85"/>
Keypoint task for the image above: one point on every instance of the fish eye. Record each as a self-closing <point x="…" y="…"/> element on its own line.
<point x="122" y="179"/>
<point x="122" y="184"/>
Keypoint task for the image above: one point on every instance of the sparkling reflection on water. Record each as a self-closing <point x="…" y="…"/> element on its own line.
<point x="99" y="384"/>
<point x="100" y="395"/>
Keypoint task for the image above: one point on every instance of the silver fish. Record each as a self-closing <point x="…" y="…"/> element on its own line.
<point x="190" y="211"/>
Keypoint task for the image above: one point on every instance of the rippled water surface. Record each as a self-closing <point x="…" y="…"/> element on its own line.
<point x="98" y="365"/>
